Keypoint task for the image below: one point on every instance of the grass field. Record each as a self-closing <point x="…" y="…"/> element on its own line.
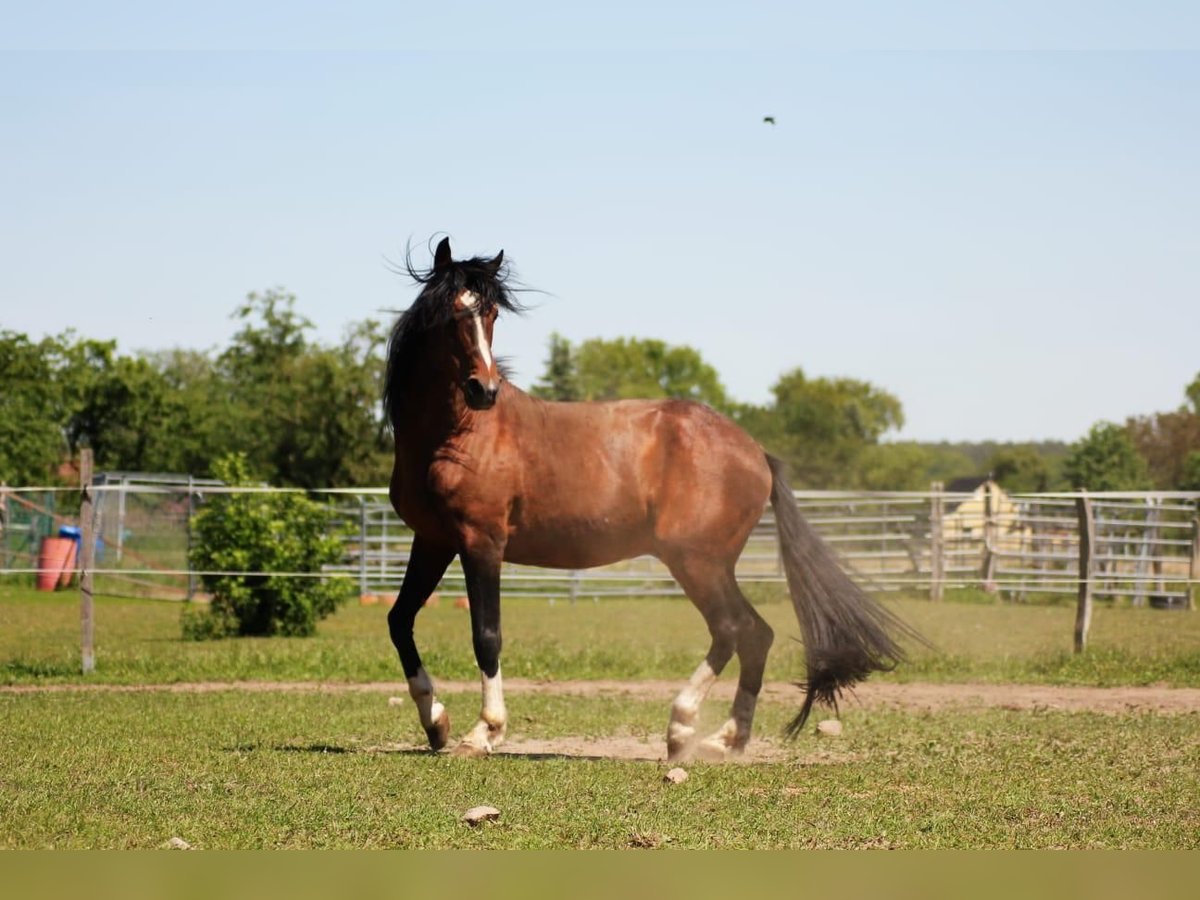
<point x="231" y="769"/>
<point x="139" y="641"/>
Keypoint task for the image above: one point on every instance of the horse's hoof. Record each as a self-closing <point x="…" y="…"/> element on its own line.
<point x="495" y="738"/>
<point x="712" y="751"/>
<point x="678" y="754"/>
<point x="439" y="732"/>
<point x="467" y="750"/>
<point x="681" y="741"/>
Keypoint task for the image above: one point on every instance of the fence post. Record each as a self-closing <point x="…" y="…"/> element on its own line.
<point x="383" y="547"/>
<point x="5" y="523"/>
<point x="1144" y="568"/>
<point x="87" y="563"/>
<point x="191" y="509"/>
<point x="989" y="536"/>
<point x="362" y="546"/>
<point x="937" y="542"/>
<point x="1194" y="569"/>
<point x="121" y="521"/>
<point x="1087" y="546"/>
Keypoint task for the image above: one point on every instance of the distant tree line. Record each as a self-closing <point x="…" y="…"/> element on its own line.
<point x="830" y="430"/>
<point x="308" y="414"/>
<point x="303" y="413"/>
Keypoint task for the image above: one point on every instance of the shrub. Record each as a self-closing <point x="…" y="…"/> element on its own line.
<point x="262" y="532"/>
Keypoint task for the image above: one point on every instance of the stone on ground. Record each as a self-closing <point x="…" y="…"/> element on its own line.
<point x="477" y="814"/>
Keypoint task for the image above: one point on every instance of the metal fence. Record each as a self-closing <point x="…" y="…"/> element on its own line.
<point x="1143" y="547"/>
<point x="26" y="519"/>
<point x="1017" y="546"/>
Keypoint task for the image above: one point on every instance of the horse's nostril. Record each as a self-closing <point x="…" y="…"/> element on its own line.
<point x="477" y="394"/>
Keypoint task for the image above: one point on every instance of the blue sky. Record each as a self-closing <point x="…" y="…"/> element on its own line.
<point x="993" y="212"/>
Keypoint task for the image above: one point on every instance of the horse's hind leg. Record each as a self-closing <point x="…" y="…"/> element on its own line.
<point x="754" y="638"/>
<point x="426" y="566"/>
<point x="707" y="586"/>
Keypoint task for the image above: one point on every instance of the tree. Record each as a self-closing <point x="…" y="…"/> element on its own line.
<point x="308" y="415"/>
<point x="628" y="367"/>
<point x="1165" y="440"/>
<point x="1190" y="479"/>
<point x="198" y="414"/>
<point x="1105" y="460"/>
<point x="960" y="460"/>
<point x="304" y="413"/>
<point x="560" y="380"/>
<point x="822" y="425"/>
<point x="126" y="415"/>
<point x="901" y="466"/>
<point x="1020" y="469"/>
<point x="32" y="409"/>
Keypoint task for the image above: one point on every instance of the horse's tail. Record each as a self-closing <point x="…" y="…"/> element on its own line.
<point x="846" y="634"/>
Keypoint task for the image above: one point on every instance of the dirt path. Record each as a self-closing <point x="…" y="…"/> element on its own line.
<point x="920" y="697"/>
<point x="917" y="697"/>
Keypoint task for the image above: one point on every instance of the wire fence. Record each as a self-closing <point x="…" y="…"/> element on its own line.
<point x="1144" y="545"/>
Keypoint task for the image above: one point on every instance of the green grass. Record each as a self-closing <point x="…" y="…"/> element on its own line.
<point x="233" y="769"/>
<point x="238" y="770"/>
<point x="139" y="641"/>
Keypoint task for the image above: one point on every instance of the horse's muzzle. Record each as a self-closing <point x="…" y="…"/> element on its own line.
<point x="479" y="395"/>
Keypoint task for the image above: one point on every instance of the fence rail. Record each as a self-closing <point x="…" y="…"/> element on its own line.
<point x="1144" y="546"/>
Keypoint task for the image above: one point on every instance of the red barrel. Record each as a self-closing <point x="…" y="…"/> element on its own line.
<point x="56" y="563"/>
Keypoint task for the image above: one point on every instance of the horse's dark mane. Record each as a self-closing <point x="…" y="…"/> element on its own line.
<point x="433" y="308"/>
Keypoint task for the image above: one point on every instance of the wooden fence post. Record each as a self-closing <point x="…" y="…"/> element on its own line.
<point x="87" y="548"/>
<point x="1194" y="573"/>
<point x="937" y="542"/>
<point x="1087" y="545"/>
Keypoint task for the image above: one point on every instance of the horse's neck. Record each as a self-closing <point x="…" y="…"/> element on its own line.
<point x="432" y="421"/>
<point x="427" y="421"/>
<point x="431" y="406"/>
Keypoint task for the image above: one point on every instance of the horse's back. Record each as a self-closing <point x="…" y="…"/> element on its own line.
<point x="623" y="478"/>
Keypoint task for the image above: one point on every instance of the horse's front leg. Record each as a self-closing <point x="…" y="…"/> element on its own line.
<point x="426" y="566"/>
<point x="482" y="569"/>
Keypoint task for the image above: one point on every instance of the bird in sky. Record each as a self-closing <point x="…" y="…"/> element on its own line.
<point x="769" y="120"/>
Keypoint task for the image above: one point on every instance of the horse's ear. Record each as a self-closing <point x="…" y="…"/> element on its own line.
<point x="496" y="263"/>
<point x="441" y="256"/>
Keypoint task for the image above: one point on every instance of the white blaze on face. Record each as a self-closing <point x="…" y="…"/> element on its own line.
<point x="469" y="302"/>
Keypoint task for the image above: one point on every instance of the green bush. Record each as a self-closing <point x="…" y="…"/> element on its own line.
<point x="262" y="532"/>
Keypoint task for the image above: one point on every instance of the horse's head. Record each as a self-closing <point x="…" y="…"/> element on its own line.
<point x="475" y="310"/>
<point x="449" y="326"/>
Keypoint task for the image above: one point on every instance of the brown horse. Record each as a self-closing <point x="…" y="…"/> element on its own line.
<point x="488" y="473"/>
